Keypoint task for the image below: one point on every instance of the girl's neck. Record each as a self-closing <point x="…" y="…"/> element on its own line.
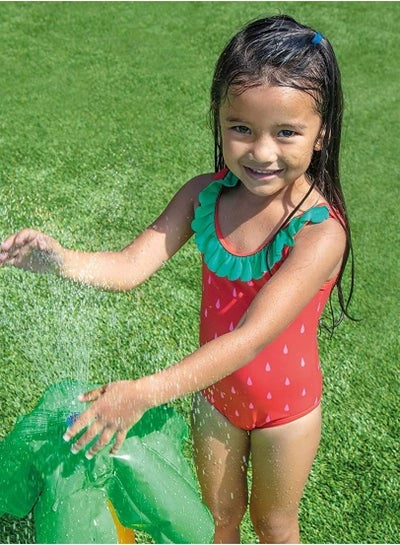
<point x="284" y="200"/>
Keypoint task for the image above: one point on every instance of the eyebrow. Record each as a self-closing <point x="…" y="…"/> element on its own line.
<point x="296" y="126"/>
<point x="234" y="120"/>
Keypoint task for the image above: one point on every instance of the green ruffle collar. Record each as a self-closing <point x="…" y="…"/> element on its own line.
<point x="245" y="268"/>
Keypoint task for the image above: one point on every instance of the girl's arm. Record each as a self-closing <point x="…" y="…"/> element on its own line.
<point x="120" y="270"/>
<point x="315" y="258"/>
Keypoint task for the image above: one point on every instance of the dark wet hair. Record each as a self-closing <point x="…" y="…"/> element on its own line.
<point x="280" y="51"/>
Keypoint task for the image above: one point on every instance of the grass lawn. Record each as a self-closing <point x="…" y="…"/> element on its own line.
<point x="103" y="117"/>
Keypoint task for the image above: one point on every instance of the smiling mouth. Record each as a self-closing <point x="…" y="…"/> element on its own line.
<point x="262" y="173"/>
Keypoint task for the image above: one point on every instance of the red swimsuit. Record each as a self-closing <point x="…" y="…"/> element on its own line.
<point x="284" y="381"/>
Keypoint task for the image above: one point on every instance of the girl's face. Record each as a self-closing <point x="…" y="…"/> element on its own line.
<point x="269" y="134"/>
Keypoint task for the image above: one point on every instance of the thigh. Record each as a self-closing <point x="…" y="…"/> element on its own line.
<point x="221" y="456"/>
<point x="282" y="458"/>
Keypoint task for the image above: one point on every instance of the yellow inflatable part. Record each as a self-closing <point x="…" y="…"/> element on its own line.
<point x="125" y="535"/>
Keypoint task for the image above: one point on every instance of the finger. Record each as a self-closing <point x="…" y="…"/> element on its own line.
<point x="16" y="254"/>
<point x="7" y="243"/>
<point x="5" y="261"/>
<point x="13" y="243"/>
<point x="19" y="239"/>
<point x="6" y="256"/>
<point x="119" y="439"/>
<point x="41" y="243"/>
<point x="93" y="395"/>
<point x="80" y="423"/>
<point x="25" y="236"/>
<point x="92" y="431"/>
<point x="103" y="440"/>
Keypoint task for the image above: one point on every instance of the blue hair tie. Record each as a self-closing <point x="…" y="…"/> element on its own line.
<point x="317" y="38"/>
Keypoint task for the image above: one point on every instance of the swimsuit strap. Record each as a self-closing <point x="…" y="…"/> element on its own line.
<point x="250" y="267"/>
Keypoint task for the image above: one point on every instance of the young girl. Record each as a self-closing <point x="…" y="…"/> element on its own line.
<point x="272" y="228"/>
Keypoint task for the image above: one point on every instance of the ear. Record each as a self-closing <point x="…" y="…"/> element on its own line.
<point x="319" y="140"/>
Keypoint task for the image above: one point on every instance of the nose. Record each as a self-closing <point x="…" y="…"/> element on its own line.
<point x="263" y="150"/>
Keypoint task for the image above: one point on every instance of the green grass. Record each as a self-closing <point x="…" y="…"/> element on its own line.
<point x="103" y="117"/>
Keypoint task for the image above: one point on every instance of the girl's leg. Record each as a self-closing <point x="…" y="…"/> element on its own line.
<point x="221" y="456"/>
<point x="281" y="460"/>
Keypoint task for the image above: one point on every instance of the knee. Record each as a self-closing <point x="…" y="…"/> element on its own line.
<point x="278" y="527"/>
<point x="229" y="516"/>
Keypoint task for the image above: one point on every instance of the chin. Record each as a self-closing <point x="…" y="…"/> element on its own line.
<point x="261" y="191"/>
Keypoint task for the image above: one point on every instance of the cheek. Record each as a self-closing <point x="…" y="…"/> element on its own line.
<point x="299" y="158"/>
<point x="231" y="148"/>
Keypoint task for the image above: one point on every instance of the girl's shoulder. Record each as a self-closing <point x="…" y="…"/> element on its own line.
<point x="202" y="180"/>
<point x="196" y="185"/>
<point x="328" y="235"/>
<point x="333" y="225"/>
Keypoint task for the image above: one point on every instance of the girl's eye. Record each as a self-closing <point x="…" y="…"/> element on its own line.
<point x="241" y="129"/>
<point x="286" y="133"/>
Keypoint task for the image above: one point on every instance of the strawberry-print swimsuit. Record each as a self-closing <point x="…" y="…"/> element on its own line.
<point x="284" y="381"/>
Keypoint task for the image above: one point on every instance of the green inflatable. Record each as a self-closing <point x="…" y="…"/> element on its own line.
<point x="148" y="484"/>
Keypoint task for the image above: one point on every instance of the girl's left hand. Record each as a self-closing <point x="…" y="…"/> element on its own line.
<point x="116" y="407"/>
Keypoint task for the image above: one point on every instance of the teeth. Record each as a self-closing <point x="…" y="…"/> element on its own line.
<point x="263" y="171"/>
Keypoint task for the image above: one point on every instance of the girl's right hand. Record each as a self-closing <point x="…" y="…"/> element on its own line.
<point x="32" y="251"/>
